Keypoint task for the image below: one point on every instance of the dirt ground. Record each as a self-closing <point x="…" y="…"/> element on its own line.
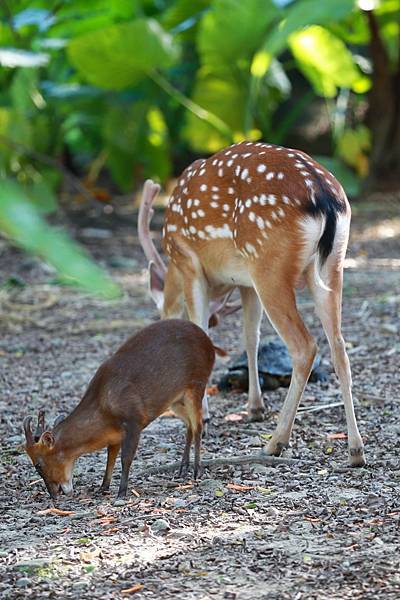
<point x="314" y="529"/>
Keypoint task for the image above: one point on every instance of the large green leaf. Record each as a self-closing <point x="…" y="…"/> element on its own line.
<point x="326" y="62"/>
<point x="233" y="30"/>
<point x="226" y="100"/>
<point x="137" y="143"/>
<point x="301" y="13"/>
<point x="119" y="56"/>
<point x="21" y="221"/>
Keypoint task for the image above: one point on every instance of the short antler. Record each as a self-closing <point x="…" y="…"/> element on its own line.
<point x="40" y="427"/>
<point x="150" y="191"/>
<point x="28" y="431"/>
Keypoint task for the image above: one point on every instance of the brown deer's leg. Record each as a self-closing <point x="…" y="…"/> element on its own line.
<point x="252" y="314"/>
<point x="112" y="453"/>
<point x="278" y="298"/>
<point x="186" y="452"/>
<point x="328" y="307"/>
<point x="129" y="446"/>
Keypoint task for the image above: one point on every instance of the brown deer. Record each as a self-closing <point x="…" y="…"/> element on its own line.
<point x="165" y="365"/>
<point x="268" y="220"/>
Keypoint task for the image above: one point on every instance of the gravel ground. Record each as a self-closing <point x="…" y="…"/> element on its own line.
<point x="312" y="529"/>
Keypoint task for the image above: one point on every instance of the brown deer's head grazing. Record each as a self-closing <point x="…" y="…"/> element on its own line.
<point x="41" y="448"/>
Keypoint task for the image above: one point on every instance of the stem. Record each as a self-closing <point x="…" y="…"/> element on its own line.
<point x="191" y="106"/>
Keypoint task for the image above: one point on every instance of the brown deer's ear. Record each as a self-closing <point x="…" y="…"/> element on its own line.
<point x="47" y="439"/>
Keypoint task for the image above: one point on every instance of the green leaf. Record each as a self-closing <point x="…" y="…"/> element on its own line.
<point x="326" y="62"/>
<point x="223" y="98"/>
<point x="21" y="221"/>
<point x="119" y="56"/>
<point x="233" y="30"/>
<point x="301" y="13"/>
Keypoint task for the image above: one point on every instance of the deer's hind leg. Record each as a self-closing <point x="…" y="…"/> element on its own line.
<point x="252" y="313"/>
<point x="328" y="306"/>
<point x="278" y="299"/>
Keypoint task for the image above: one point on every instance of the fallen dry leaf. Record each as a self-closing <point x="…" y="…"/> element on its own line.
<point x="56" y="511"/>
<point x="239" y="488"/>
<point x="337" y="436"/>
<point x="133" y="589"/>
<point x="89" y="555"/>
<point x="212" y="390"/>
<point x="235" y="416"/>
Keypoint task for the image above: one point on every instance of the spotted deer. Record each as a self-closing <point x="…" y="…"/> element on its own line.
<point x="267" y="220"/>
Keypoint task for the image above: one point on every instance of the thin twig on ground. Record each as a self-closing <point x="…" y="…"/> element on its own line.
<point x="249" y="459"/>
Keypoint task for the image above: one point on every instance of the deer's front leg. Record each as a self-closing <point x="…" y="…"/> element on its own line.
<point x="252" y="313"/>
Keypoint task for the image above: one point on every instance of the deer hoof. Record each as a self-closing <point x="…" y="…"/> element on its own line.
<point x="256" y="414"/>
<point x="276" y="448"/>
<point x="356" y="457"/>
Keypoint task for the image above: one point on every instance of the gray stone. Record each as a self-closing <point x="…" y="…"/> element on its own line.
<point x="23" y="582"/>
<point x="161" y="525"/>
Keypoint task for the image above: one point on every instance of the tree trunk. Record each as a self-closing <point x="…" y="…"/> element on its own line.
<point x="383" y="115"/>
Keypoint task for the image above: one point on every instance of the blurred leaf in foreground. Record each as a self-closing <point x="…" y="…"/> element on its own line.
<point x="20" y="220"/>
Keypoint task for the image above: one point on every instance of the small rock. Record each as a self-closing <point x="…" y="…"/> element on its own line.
<point x="260" y="469"/>
<point x="78" y="585"/>
<point x="161" y="525"/>
<point x="211" y="484"/>
<point x="271" y="511"/>
<point x="22" y="582"/>
<point x="119" y="502"/>
<point x="184" y="567"/>
<point x="179" y="503"/>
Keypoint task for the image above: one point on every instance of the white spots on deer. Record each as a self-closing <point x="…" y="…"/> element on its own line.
<point x="194" y="215"/>
<point x="280" y="175"/>
<point x="274" y="215"/>
<point x="271" y="199"/>
<point x="215" y="188"/>
<point x="229" y="163"/>
<point x="231" y="191"/>
<point x="246" y="155"/>
<point x="196" y="202"/>
<point x="189" y="203"/>
<point x="248" y="203"/>
<point x="201" y="235"/>
<point x="260" y="222"/>
<point x="201" y="172"/>
<point x="192" y="229"/>
<point x="201" y="212"/>
<point x="215" y="197"/>
<point x="281" y="212"/>
<point x="203" y="187"/>
<point x="252" y="216"/>
<point x="226" y="207"/>
<point x="244" y="174"/>
<point x="263" y="199"/>
<point x="255" y="199"/>
<point x="250" y="248"/>
<point x="285" y="200"/>
<point x="261" y="168"/>
<point x="220" y="172"/>
<point x="237" y="171"/>
<point x="214" y="204"/>
<point x="270" y="176"/>
<point x="215" y="161"/>
<point x="182" y="182"/>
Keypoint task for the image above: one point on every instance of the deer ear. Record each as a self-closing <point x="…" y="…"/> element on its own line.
<point x="156" y="286"/>
<point x="47" y="439"/>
